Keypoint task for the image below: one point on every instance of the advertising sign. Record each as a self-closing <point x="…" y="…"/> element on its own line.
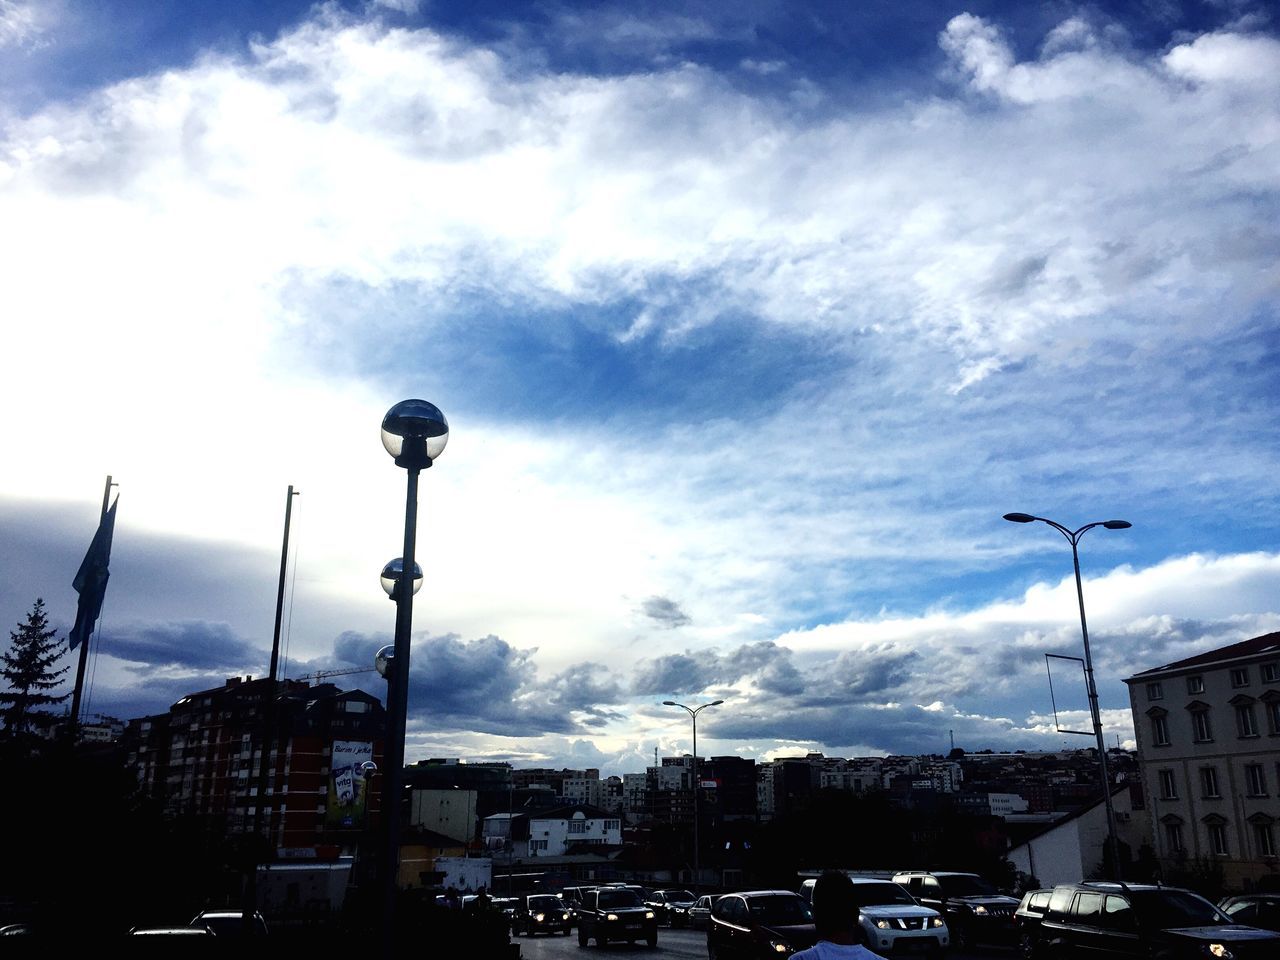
<point x="347" y="786"/>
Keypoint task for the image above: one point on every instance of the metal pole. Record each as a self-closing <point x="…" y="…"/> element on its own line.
<point x="84" y="646"/>
<point x="397" y="709"/>
<point x="1112" y="836"/>
<point x="696" y="872"/>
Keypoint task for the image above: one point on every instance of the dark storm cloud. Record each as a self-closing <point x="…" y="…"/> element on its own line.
<point x="873" y="669"/>
<point x="486" y="685"/>
<point x="765" y="663"/>
<point x="192" y="644"/>
<point x="665" y="612"/>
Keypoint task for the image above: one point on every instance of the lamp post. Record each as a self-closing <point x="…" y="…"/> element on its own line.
<point x="414" y="432"/>
<point x="693" y="715"/>
<point x="1073" y="536"/>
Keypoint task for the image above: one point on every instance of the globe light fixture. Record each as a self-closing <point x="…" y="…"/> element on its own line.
<point x="383" y="659"/>
<point x="391" y="574"/>
<point x="414" y="432"/>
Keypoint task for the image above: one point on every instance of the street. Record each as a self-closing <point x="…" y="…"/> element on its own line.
<point x="682" y="944"/>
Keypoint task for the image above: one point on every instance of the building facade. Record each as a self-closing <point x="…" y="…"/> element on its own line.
<point x="1208" y="732"/>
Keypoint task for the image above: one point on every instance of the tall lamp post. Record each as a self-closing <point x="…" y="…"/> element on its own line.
<point x="1073" y="536"/>
<point x="693" y="715"/>
<point x="414" y="432"/>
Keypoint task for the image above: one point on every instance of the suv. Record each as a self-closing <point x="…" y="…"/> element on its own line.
<point x="975" y="911"/>
<point x="615" y="913"/>
<point x="890" y="919"/>
<point x="1132" y="921"/>
<point x="1026" y="920"/>
<point x="671" y="906"/>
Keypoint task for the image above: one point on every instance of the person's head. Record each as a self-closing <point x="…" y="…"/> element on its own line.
<point x="835" y="908"/>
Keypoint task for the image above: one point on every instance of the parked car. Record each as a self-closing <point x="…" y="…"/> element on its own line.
<point x="615" y="913"/>
<point x="1144" y="922"/>
<point x="572" y="898"/>
<point x="1255" y="909"/>
<point x="1026" y="920"/>
<point x="230" y="923"/>
<point x="700" y="912"/>
<point x="759" y="923"/>
<point x="540" y="913"/>
<point x="671" y="906"/>
<point x="974" y="910"/>
<point x="890" y="918"/>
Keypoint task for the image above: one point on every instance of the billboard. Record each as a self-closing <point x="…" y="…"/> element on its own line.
<point x="348" y="787"/>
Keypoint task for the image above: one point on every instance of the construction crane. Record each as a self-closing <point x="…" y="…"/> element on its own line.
<point x="321" y="674"/>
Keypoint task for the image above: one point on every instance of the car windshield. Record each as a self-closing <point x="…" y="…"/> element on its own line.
<point x="771" y="911"/>
<point x="679" y="896"/>
<point x="544" y="903"/>
<point x="879" y="894"/>
<point x="966" y="885"/>
<point x="1166" y="909"/>
<point x="615" y="899"/>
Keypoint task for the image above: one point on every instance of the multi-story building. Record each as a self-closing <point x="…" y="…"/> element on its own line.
<point x="635" y="797"/>
<point x="1207" y="729"/>
<point x="583" y="790"/>
<point x="727" y="788"/>
<point x="553" y="832"/>
<point x="202" y="759"/>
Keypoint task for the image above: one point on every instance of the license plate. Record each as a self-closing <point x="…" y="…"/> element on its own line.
<point x="633" y="926"/>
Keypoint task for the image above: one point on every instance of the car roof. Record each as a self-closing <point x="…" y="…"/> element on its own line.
<point x="764" y="893"/>
<point x="857" y="880"/>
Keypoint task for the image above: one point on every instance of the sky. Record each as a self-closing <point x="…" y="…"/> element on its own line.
<point x="750" y="321"/>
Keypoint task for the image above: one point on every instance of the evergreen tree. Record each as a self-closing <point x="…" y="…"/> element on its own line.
<point x="29" y="668"/>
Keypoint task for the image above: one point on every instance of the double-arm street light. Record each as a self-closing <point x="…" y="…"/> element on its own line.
<point x="1090" y="686"/>
<point x="414" y="432"/>
<point x="693" y="715"/>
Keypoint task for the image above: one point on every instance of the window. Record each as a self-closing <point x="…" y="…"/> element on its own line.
<point x="612" y="824"/>
<point x="1271" y="672"/>
<point x="1202" y="729"/>
<point x="1246" y="724"/>
<point x="1209" y="782"/>
<point x="1173" y="836"/>
<point x="1265" y="838"/>
<point x="577" y="826"/>
<point x="1240" y="677"/>
<point x="1155" y="691"/>
<point x="1160" y="731"/>
<point x="1273" y="715"/>
<point x="538" y="844"/>
<point x="1218" y="838"/>
<point x="1195" y="684"/>
<point x="1087" y="908"/>
<point x="1168" y="786"/>
<point x="1257" y="778"/>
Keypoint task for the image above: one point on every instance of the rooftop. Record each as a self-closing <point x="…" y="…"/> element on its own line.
<point x="1267" y="643"/>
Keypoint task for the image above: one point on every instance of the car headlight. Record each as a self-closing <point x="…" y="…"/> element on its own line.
<point x="564" y="916"/>
<point x="980" y="910"/>
<point x="936" y="922"/>
<point x="883" y="924"/>
<point x="611" y="916"/>
<point x="779" y="946"/>
<point x="648" y="915"/>
<point x="1220" y="950"/>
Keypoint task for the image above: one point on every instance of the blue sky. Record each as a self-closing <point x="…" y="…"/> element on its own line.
<point x="750" y="320"/>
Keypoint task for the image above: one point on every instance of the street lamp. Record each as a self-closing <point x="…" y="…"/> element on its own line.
<point x="1090" y="686"/>
<point x="391" y="573"/>
<point x="414" y="432"/>
<point x="693" y="715"/>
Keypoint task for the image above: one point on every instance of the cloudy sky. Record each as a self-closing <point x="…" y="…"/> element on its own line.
<point x="750" y="321"/>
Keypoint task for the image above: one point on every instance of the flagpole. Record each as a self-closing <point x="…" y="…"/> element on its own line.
<point x="84" y="647"/>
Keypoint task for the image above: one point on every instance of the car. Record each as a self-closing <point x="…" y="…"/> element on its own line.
<point x="1144" y="922"/>
<point x="671" y="906"/>
<point x="1255" y="909"/>
<point x="615" y="913"/>
<point x="893" y="922"/>
<point x="759" y="923"/>
<point x="170" y="932"/>
<point x="572" y="898"/>
<point x="1026" y="920"/>
<point x="974" y="910"/>
<point x="229" y="923"/>
<point x="700" y="912"/>
<point x="540" y="913"/>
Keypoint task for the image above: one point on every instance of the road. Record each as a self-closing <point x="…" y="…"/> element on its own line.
<point x="672" y="945"/>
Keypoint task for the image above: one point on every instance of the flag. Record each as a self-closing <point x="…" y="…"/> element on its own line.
<point x="91" y="580"/>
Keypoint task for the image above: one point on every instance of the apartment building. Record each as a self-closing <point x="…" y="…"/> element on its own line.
<point x="1208" y="732"/>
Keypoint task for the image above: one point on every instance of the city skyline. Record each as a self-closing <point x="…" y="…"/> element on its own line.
<point x="750" y="322"/>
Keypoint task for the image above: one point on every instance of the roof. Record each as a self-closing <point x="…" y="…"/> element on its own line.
<point x="567" y="812"/>
<point x="1267" y="643"/>
<point x="1067" y="818"/>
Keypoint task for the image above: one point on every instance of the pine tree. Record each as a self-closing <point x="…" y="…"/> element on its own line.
<point x="29" y="668"/>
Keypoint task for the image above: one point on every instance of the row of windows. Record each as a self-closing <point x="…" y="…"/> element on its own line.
<point x="1239" y="678"/>
<point x="1255" y="781"/>
<point x="1202" y="724"/>
<point x="1264" y="839"/>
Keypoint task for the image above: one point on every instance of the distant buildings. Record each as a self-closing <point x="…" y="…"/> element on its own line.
<point x="1208" y="728"/>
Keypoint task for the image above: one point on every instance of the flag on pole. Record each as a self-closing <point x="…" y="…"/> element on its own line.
<point x="91" y="580"/>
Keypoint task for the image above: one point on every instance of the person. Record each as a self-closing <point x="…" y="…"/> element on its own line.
<point x="835" y="914"/>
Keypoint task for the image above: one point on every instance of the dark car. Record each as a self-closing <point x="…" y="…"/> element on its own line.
<point x="615" y="913"/>
<point x="759" y="923"/>
<point x="1255" y="909"/>
<point x="1143" y="922"/>
<point x="700" y="912"/>
<point x="975" y="911"/>
<point x="540" y="913"/>
<point x="230" y="923"/>
<point x="671" y="906"/>
<point x="1026" y="920"/>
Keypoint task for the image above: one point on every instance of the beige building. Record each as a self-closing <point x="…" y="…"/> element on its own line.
<point x="1208" y="732"/>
